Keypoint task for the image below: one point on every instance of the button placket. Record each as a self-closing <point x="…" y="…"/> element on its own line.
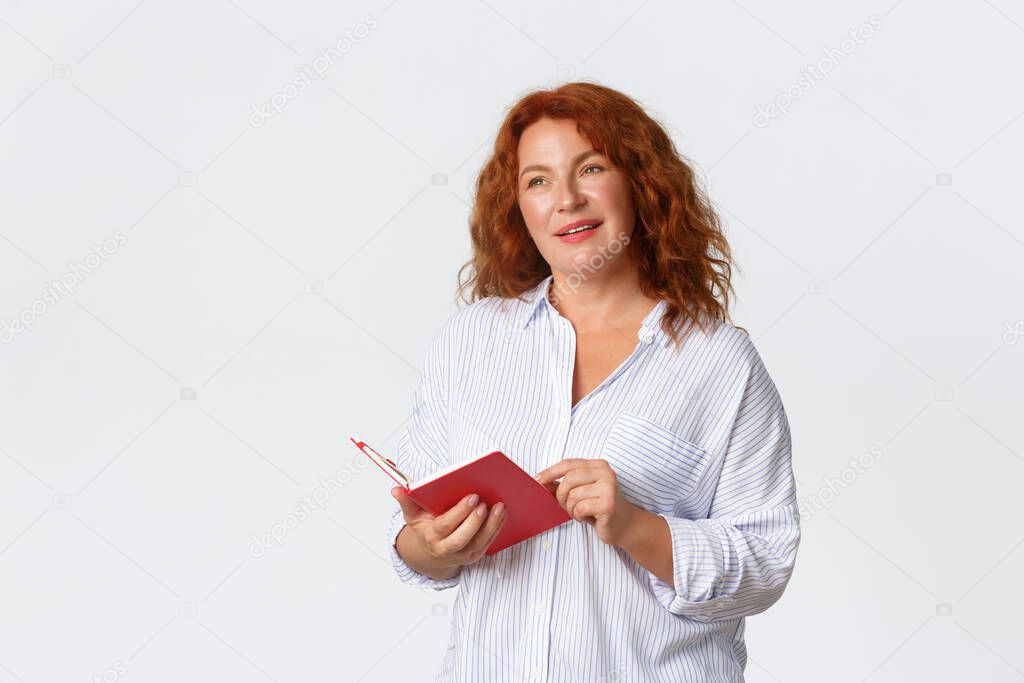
<point x="562" y="371"/>
<point x="542" y="606"/>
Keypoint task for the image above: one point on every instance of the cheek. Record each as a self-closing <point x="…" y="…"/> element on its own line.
<point x="617" y="203"/>
<point x="533" y="213"/>
<point x="617" y="197"/>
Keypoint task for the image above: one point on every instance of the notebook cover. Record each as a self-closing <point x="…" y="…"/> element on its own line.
<point x="529" y="507"/>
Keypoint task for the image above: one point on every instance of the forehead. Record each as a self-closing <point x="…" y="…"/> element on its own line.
<point x="547" y="138"/>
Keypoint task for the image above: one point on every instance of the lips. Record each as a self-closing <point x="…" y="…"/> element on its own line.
<point x="577" y="224"/>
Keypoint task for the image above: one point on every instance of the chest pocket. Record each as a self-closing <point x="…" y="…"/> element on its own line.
<point x="656" y="468"/>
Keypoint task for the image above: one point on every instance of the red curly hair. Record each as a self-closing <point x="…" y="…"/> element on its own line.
<point x="678" y="242"/>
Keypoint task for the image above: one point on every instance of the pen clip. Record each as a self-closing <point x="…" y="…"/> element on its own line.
<point x="386" y="464"/>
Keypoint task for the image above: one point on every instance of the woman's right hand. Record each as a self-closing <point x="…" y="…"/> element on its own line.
<point x="459" y="536"/>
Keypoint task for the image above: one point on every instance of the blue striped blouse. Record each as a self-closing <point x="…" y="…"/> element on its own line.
<point x="697" y="435"/>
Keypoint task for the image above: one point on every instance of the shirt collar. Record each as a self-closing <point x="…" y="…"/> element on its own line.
<point x="536" y="298"/>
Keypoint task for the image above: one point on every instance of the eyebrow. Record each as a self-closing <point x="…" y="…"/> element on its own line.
<point x="541" y="167"/>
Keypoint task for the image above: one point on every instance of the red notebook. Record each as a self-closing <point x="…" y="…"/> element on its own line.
<point x="530" y="508"/>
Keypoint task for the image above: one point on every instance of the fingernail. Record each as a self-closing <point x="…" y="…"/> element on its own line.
<point x="473" y="500"/>
<point x="499" y="508"/>
<point x="482" y="510"/>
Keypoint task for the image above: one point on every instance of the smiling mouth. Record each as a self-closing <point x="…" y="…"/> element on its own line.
<point x="582" y="228"/>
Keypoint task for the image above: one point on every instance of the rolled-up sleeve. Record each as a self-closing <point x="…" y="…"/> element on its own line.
<point x="422" y="449"/>
<point x="738" y="561"/>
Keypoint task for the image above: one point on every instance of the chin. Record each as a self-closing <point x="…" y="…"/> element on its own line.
<point x="590" y="260"/>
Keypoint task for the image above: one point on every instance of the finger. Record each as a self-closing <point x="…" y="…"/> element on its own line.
<point x="580" y="494"/>
<point x="582" y="475"/>
<point x="559" y="469"/>
<point x="563" y="491"/>
<point x="573" y="480"/>
<point x="586" y="510"/>
<point x="464" y="533"/>
<point x="495" y="520"/>
<point x="450" y="520"/>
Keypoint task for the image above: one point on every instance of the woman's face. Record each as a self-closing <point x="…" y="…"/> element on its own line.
<point x="562" y="180"/>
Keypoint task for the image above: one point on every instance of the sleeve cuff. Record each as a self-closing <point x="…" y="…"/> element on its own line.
<point x="697" y="557"/>
<point x="405" y="573"/>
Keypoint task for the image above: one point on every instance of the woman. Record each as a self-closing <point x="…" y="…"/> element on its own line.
<point x="596" y="353"/>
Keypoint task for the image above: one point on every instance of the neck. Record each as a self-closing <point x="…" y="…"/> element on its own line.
<point x="593" y="301"/>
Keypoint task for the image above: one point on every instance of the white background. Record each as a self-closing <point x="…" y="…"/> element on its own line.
<point x="878" y="226"/>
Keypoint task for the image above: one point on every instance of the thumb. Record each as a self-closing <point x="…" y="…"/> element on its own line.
<point x="409" y="507"/>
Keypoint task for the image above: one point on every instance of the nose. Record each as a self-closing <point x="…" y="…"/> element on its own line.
<point x="570" y="196"/>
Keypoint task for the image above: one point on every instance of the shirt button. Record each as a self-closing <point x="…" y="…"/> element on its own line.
<point x="546" y="544"/>
<point x="535" y="674"/>
<point x="645" y="335"/>
<point x="540" y="607"/>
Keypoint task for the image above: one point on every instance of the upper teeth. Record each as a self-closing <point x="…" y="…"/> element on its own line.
<point x="577" y="229"/>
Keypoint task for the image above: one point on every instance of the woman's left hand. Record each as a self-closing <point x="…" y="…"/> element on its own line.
<point x="589" y="492"/>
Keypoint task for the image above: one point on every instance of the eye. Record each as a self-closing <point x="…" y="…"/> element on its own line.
<point x="585" y="169"/>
